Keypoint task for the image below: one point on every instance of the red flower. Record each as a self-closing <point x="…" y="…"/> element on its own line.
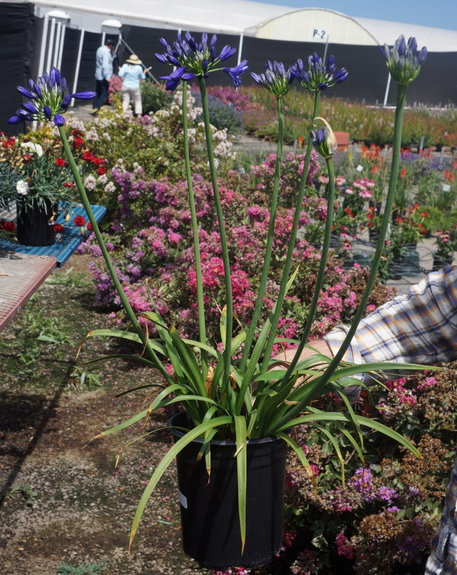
<point x="58" y="228"/>
<point x="8" y="226"/>
<point x="88" y="156"/>
<point x="101" y="170"/>
<point x="424" y="214"/>
<point x="78" y="142"/>
<point x="403" y="173"/>
<point x="60" y="162"/>
<point x="79" y="221"/>
<point x="98" y="161"/>
<point x="89" y="226"/>
<point x="69" y="184"/>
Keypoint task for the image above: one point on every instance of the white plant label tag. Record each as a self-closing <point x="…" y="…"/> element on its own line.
<point x="360" y="168"/>
<point x="446" y="188"/>
<point x="182" y="499"/>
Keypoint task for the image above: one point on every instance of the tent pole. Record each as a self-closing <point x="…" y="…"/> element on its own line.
<point x="78" y="65"/>
<point x="386" y="95"/>
<point x="61" y="28"/>
<point x="44" y="43"/>
<point x="240" y="47"/>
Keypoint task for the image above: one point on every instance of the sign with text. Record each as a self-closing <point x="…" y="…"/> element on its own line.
<point x="319" y="34"/>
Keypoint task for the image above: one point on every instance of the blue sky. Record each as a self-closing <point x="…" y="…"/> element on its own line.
<point x="435" y="13"/>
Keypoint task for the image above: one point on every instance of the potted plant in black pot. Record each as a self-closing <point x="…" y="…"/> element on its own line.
<point x="34" y="180"/>
<point x="231" y="438"/>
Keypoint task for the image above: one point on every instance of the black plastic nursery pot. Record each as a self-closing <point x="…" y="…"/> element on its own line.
<point x="33" y="226"/>
<point x="209" y="509"/>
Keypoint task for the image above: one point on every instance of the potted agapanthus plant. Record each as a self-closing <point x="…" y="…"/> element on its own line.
<point x="235" y="403"/>
<point x="34" y="180"/>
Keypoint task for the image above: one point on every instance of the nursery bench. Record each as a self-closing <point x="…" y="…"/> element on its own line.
<point x="23" y="269"/>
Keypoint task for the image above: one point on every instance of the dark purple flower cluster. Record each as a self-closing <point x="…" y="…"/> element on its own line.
<point x="277" y="79"/>
<point x="49" y="98"/>
<point x="404" y="60"/>
<point x="318" y="76"/>
<point x="192" y="59"/>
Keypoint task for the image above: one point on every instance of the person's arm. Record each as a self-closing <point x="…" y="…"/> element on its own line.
<point x="107" y="65"/>
<point x="418" y="327"/>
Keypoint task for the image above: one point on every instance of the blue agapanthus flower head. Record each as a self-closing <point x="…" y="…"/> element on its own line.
<point x="277" y="78"/>
<point x="404" y="60"/>
<point x="48" y="99"/>
<point x="191" y="59"/>
<point x="317" y="75"/>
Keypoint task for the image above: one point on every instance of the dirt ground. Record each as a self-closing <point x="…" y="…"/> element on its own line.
<point x="63" y="502"/>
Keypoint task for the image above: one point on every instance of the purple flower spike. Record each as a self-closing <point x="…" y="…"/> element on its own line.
<point x="196" y="59"/>
<point x="404" y="60"/>
<point x="276" y="78"/>
<point x="318" y="76"/>
<point x="49" y="97"/>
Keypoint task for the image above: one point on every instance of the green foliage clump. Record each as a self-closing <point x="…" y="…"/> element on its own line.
<point x="154" y="97"/>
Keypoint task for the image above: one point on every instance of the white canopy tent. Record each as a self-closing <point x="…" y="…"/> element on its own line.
<point x="66" y="34"/>
<point x="242" y="17"/>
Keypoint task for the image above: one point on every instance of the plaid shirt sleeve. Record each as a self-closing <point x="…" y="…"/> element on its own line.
<point x="418" y="327"/>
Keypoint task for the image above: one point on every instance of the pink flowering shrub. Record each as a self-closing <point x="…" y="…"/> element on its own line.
<point x="382" y="518"/>
<point x="155" y="259"/>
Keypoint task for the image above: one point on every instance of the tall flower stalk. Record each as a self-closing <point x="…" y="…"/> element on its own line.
<point x="277" y="79"/>
<point x="403" y="62"/>
<point x="195" y="229"/>
<point x="317" y="77"/>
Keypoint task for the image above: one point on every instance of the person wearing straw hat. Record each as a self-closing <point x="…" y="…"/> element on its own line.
<point x="132" y="73"/>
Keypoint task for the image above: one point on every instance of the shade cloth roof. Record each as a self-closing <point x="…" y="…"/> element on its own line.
<point x="248" y="18"/>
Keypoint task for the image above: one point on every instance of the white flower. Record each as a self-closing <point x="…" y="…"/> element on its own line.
<point x="31" y="148"/>
<point x="22" y="187"/>
<point x="90" y="182"/>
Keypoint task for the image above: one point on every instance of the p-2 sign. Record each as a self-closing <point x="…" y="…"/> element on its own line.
<point x="319" y="34"/>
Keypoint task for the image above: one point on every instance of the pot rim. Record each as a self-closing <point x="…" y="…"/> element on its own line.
<point x="227" y="442"/>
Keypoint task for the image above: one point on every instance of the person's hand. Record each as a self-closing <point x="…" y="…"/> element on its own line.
<point x="284" y="358"/>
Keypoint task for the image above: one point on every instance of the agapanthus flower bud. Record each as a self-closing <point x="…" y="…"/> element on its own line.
<point x="49" y="97"/>
<point x="318" y="76"/>
<point x="324" y="139"/>
<point x="276" y="79"/>
<point x="404" y="60"/>
<point x="192" y="59"/>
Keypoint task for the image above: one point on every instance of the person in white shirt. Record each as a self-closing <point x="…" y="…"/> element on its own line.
<point x="132" y="74"/>
<point x="103" y="72"/>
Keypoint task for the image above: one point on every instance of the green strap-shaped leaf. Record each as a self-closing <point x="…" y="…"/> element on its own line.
<point x="241" y="473"/>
